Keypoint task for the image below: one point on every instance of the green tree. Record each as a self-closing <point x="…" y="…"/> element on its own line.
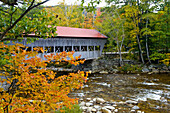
<point x="145" y="25"/>
<point x="113" y="26"/>
<point x="65" y="15"/>
<point x="15" y="21"/>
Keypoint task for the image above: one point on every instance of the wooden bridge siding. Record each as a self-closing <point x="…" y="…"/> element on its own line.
<point x="69" y="42"/>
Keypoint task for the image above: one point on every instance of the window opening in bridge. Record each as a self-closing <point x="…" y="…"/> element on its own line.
<point x="23" y="48"/>
<point x="28" y="49"/>
<point x="91" y="48"/>
<point x="59" y="49"/>
<point x="49" y="49"/>
<point x="76" y="48"/>
<point x="68" y="48"/>
<point x="97" y="48"/>
<point x="83" y="48"/>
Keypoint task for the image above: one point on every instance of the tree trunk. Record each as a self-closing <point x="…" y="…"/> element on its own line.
<point x="147" y="50"/>
<point x="140" y="49"/>
<point x="123" y="37"/>
<point x="119" y="51"/>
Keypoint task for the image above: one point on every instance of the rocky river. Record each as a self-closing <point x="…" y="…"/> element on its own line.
<point x="125" y="93"/>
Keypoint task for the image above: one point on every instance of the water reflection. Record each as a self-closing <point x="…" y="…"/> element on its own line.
<point x="151" y="91"/>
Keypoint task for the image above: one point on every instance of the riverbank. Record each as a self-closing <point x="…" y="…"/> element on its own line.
<point x="106" y="65"/>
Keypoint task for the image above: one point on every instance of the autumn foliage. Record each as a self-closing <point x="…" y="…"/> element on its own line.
<point x="30" y="86"/>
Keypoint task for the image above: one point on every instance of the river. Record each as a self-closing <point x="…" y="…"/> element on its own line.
<point x="151" y="92"/>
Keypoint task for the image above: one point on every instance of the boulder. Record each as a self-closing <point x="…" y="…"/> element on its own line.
<point x="89" y="104"/>
<point x="155" y="70"/>
<point x="99" y="112"/>
<point x="94" y="100"/>
<point x="121" y="103"/>
<point x="103" y="72"/>
<point x="91" y="101"/>
<point x="95" y="63"/>
<point x="135" y="107"/>
<point x="100" y="100"/>
<point x="97" y="107"/>
<point x="145" y="70"/>
<point x="131" y="102"/>
<point x="84" y="108"/>
<point x="116" y="110"/>
<point x="82" y="103"/>
<point x="89" y="109"/>
<point x="139" y="111"/>
<point x="115" y="70"/>
<point x="93" y="110"/>
<point x="165" y="68"/>
<point x="152" y="67"/>
<point x="81" y="99"/>
<point x="105" y="110"/>
<point x="132" y="111"/>
<point x="88" y="99"/>
<point x="150" y="73"/>
<point x="110" y="107"/>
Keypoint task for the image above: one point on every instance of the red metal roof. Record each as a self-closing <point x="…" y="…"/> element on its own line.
<point x="78" y="32"/>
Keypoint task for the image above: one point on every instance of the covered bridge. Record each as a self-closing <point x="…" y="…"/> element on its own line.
<point x="88" y="43"/>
